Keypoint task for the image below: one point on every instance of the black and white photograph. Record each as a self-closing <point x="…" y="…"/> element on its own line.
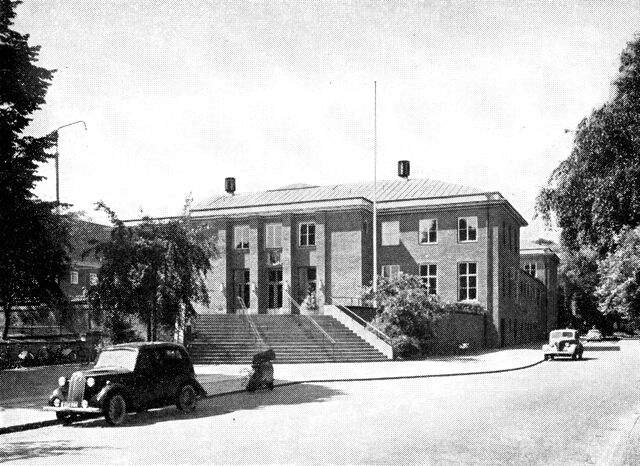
<point x="320" y="232"/>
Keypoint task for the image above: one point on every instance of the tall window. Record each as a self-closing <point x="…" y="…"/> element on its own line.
<point x="390" y="271"/>
<point x="467" y="280"/>
<point x="74" y="278"/>
<point x="307" y="234"/>
<point x="275" y="288"/>
<point x="241" y="236"/>
<point x="429" y="274"/>
<point x="530" y="269"/>
<point x="467" y="229"/>
<point x="273" y="235"/>
<point x="428" y="231"/>
<point x="391" y="233"/>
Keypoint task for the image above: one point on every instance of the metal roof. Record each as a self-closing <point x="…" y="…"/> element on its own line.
<point x="388" y="190"/>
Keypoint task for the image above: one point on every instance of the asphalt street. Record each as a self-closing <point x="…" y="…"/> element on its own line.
<point x="559" y="412"/>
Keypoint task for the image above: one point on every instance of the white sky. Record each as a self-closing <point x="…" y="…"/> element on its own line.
<point x="178" y="95"/>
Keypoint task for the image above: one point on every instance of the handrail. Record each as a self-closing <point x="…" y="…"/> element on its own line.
<point x="315" y="324"/>
<point x="364" y="323"/>
<point x="257" y="338"/>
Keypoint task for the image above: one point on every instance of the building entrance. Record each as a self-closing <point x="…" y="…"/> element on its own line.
<point x="241" y="289"/>
<point x="307" y="285"/>
<point x="275" y="288"/>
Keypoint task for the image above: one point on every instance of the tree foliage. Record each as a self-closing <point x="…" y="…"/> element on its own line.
<point x="406" y="310"/>
<point x="619" y="289"/>
<point x="152" y="271"/>
<point x="33" y="237"/>
<point x="595" y="192"/>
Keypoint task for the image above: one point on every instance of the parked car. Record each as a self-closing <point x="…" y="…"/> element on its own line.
<point x="127" y="378"/>
<point x="594" y="335"/>
<point x="563" y="343"/>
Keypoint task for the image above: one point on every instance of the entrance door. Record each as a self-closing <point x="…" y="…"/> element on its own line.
<point x="241" y="289"/>
<point x="275" y="288"/>
<point x="307" y="283"/>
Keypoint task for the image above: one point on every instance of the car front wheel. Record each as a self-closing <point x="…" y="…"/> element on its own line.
<point x="116" y="410"/>
<point x="187" y="399"/>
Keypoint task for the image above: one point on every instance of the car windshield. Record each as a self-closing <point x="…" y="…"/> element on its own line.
<point x="125" y="358"/>
<point x="562" y="334"/>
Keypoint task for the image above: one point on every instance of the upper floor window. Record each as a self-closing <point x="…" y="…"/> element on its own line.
<point x="273" y="235"/>
<point x="241" y="236"/>
<point x="391" y="233"/>
<point x="429" y="274"/>
<point x="467" y="280"/>
<point x="530" y="268"/>
<point x="93" y="279"/>
<point x="429" y="231"/>
<point x="390" y="271"/>
<point x="74" y="278"/>
<point x="307" y="234"/>
<point x="467" y="229"/>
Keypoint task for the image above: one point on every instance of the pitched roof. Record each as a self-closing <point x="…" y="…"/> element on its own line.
<point x="388" y="190"/>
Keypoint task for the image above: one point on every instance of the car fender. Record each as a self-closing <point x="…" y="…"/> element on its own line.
<point x="110" y="389"/>
<point x="199" y="389"/>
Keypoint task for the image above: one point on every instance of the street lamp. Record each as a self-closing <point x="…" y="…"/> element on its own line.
<point x="57" y="156"/>
<point x="375" y="193"/>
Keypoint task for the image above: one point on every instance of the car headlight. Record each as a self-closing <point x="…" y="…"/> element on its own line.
<point x="91" y="382"/>
<point x="62" y="381"/>
<point x="56" y="402"/>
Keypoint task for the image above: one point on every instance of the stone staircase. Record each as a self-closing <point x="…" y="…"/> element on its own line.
<point x="227" y="339"/>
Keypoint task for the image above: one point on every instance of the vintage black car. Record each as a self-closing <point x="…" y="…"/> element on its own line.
<point x="130" y="377"/>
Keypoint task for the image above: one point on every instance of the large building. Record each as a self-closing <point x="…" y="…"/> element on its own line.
<point x="302" y="244"/>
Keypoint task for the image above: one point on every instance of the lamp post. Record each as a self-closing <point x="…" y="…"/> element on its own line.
<point x="57" y="156"/>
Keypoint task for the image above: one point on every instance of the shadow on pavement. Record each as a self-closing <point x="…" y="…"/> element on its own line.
<point x="601" y="348"/>
<point x="572" y="360"/>
<point x="15" y="451"/>
<point x="289" y="395"/>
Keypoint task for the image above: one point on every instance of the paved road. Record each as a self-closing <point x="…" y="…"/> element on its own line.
<point x="560" y="412"/>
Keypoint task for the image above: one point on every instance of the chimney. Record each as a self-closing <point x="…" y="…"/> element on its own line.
<point x="230" y="185"/>
<point x="403" y="169"/>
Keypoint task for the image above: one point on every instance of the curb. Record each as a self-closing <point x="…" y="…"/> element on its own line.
<point x="52" y="422"/>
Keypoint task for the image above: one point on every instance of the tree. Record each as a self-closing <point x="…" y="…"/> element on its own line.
<point x="595" y="192"/>
<point x="153" y="271"/>
<point x="406" y="310"/>
<point x="33" y="237"/>
<point x="618" y="292"/>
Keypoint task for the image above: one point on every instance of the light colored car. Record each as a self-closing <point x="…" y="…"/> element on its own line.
<point x="593" y="335"/>
<point x="564" y="342"/>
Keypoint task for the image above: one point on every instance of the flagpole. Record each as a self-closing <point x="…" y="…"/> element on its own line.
<point x="375" y="192"/>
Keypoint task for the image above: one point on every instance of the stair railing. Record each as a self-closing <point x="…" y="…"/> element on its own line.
<point x="326" y="338"/>
<point x="246" y="316"/>
<point x="383" y="336"/>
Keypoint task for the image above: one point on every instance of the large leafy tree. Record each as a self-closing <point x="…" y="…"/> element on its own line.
<point x="33" y="237"/>
<point x="619" y="290"/>
<point x="595" y="192"/>
<point x="153" y="271"/>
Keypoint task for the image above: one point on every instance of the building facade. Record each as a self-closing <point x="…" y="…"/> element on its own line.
<point x="297" y="248"/>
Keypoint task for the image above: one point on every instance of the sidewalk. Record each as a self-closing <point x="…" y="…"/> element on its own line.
<point x="221" y="379"/>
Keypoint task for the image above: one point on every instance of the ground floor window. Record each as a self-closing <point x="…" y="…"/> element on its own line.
<point x="242" y="288"/>
<point x="390" y="271"/>
<point x="467" y="281"/>
<point x="429" y="274"/>
<point x="275" y="288"/>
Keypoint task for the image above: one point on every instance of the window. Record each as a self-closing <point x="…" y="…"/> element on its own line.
<point x="93" y="279"/>
<point x="467" y="280"/>
<point x="273" y="234"/>
<point x="391" y="233"/>
<point x="241" y="236"/>
<point x="467" y="229"/>
<point x="275" y="288"/>
<point x="307" y="234"/>
<point x="74" y="278"/>
<point x="429" y="274"/>
<point x="390" y="271"/>
<point x="428" y="231"/>
<point x="530" y="268"/>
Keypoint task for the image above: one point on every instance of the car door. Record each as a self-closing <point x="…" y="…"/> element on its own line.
<point x="147" y="380"/>
<point x="171" y="374"/>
